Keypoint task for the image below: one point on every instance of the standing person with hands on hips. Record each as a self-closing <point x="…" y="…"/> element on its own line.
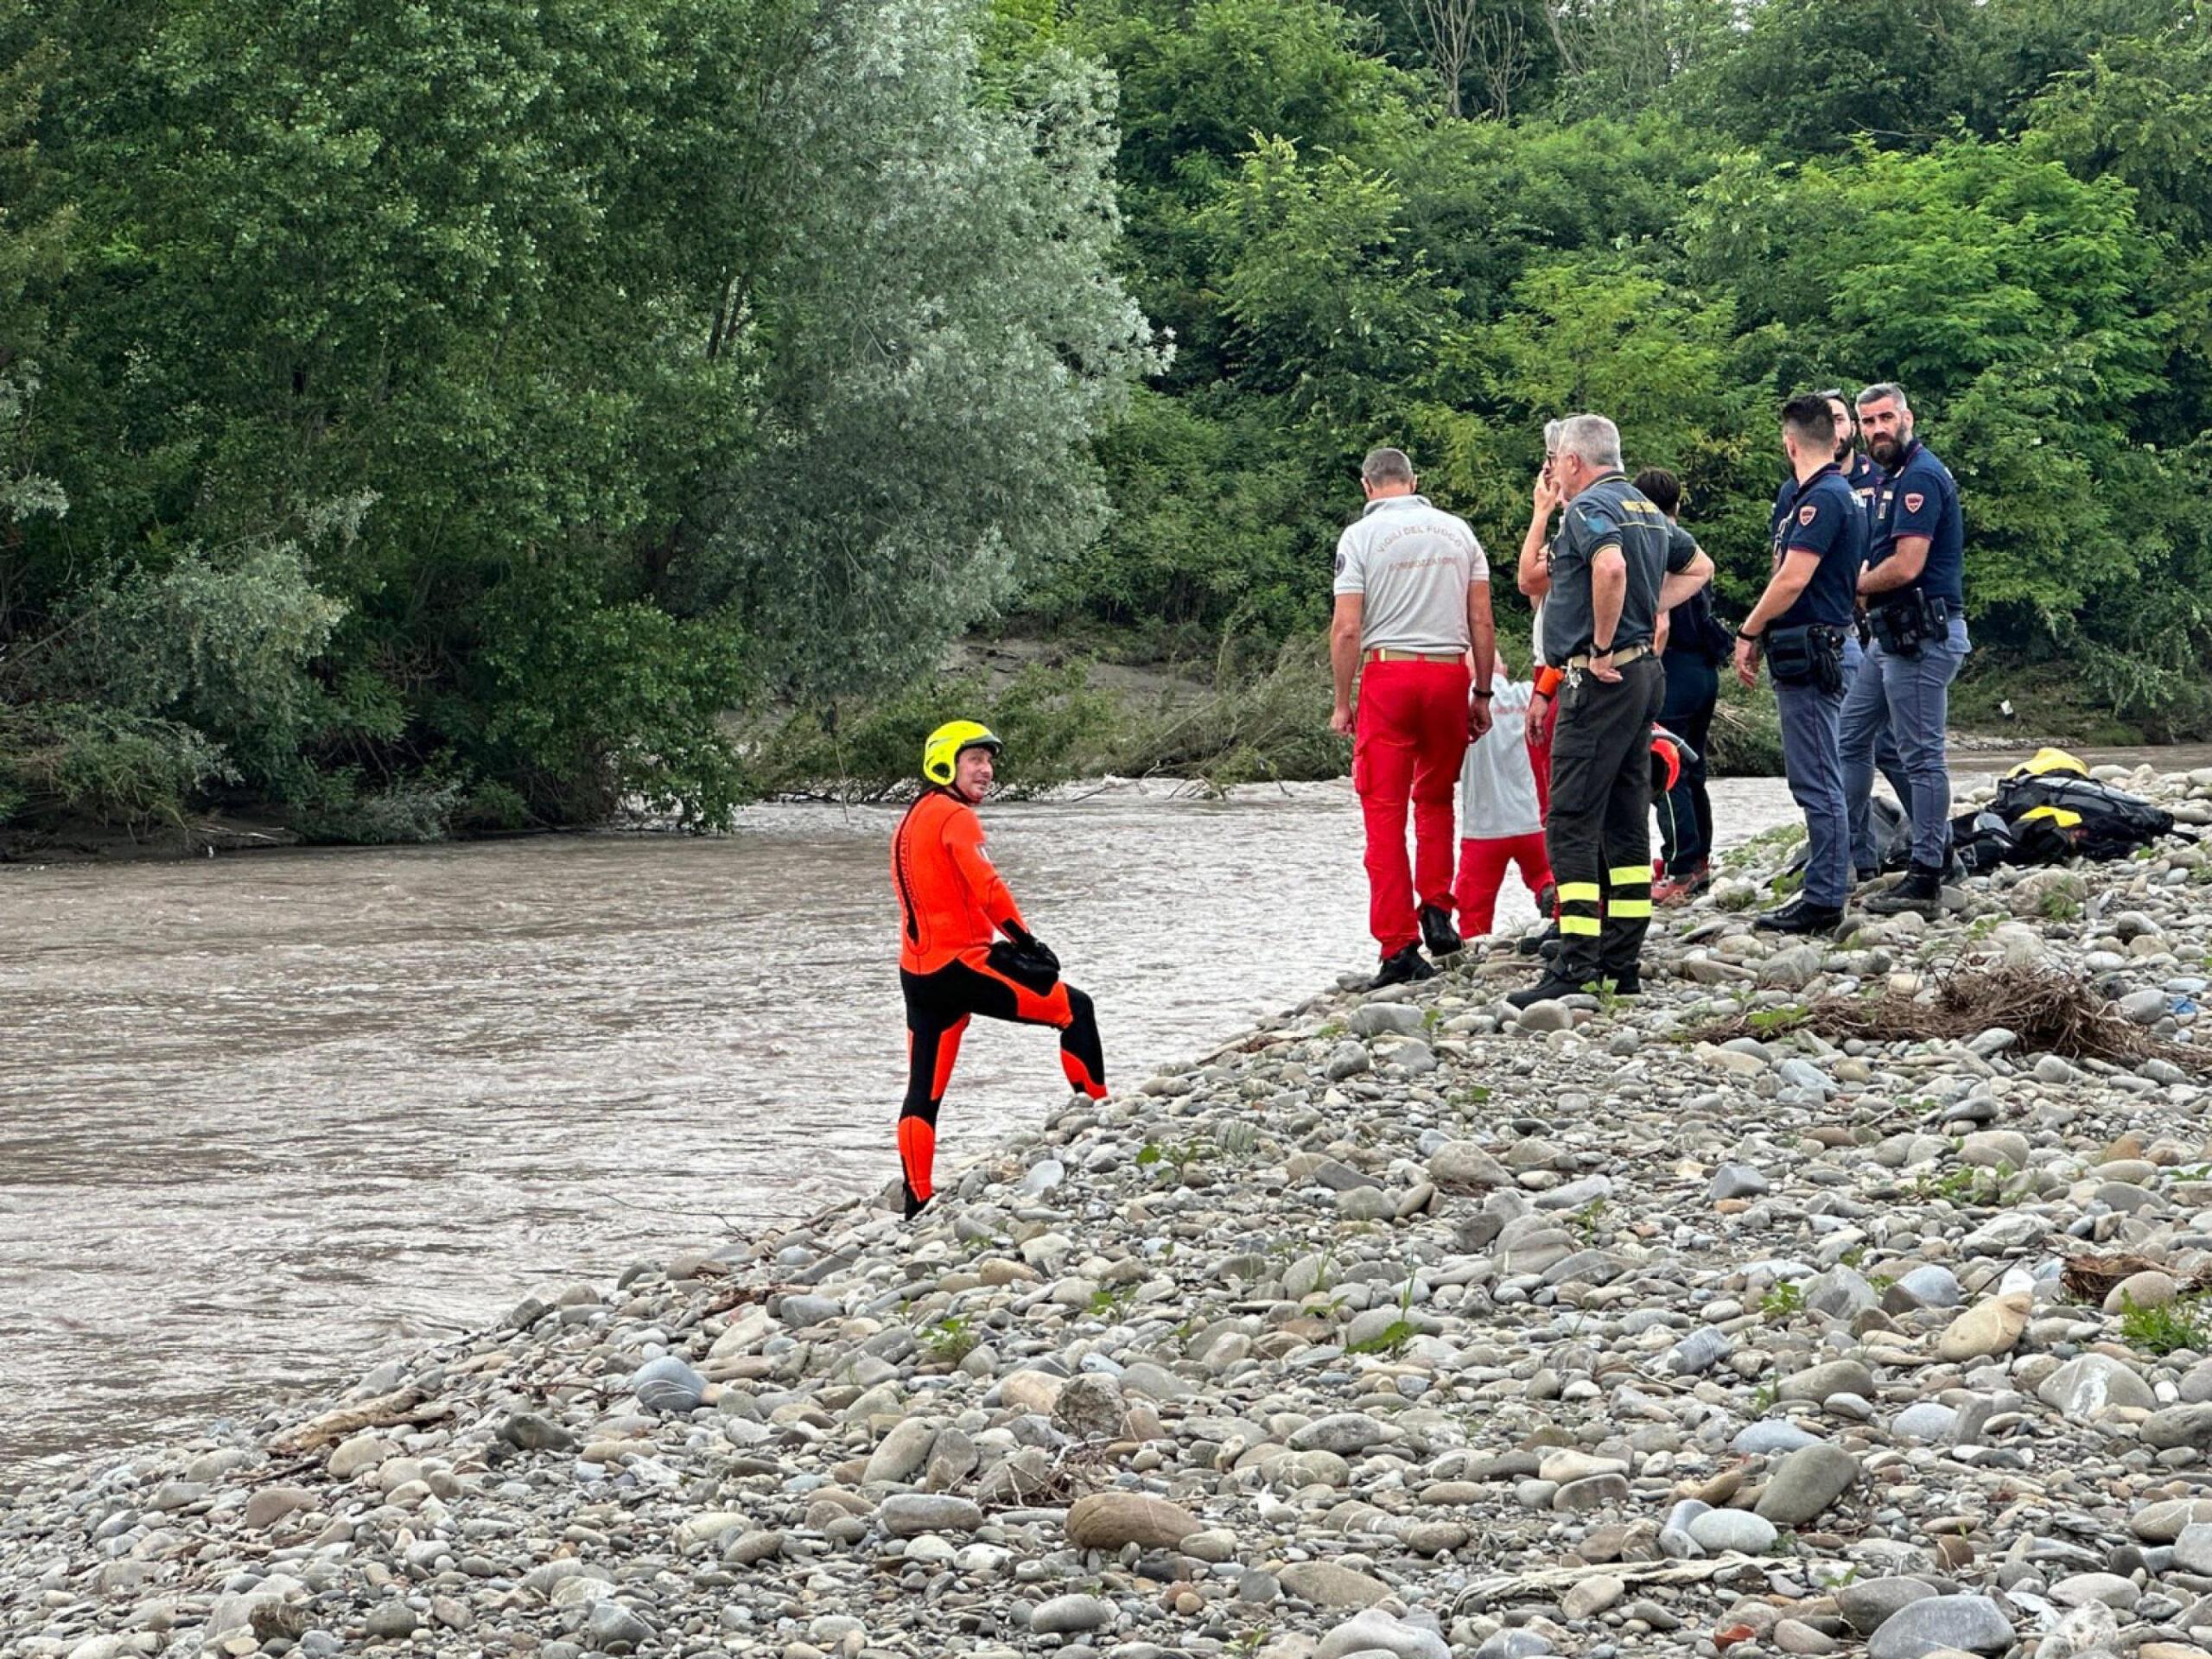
<point x="1801" y="623"/>
<point x="1412" y="600"/>
<point x="1604" y="580"/>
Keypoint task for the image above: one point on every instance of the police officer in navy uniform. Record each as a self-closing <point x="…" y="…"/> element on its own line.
<point x="1865" y="478"/>
<point x="1799" y="624"/>
<point x="1913" y="587"/>
<point x="1604" y="581"/>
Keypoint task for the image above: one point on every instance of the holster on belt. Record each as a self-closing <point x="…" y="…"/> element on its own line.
<point x="1908" y="621"/>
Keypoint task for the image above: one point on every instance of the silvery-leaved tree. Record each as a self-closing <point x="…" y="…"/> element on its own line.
<point x="936" y="332"/>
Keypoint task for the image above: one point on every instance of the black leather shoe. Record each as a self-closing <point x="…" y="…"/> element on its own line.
<point x="1549" y="989"/>
<point x="1438" y="933"/>
<point x="1546" y="942"/>
<point x="1920" y="890"/>
<point x="1800" y="916"/>
<point x="1626" y="984"/>
<point x="1402" y="968"/>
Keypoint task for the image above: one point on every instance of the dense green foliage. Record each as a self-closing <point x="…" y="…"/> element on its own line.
<point x="420" y="417"/>
<point x="419" y="414"/>
<point x="1675" y="222"/>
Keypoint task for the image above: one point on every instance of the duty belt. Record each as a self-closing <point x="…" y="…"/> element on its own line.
<point x="1379" y="655"/>
<point x="1625" y="654"/>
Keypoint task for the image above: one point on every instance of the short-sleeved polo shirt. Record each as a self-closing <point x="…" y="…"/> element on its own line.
<point x="1822" y="517"/>
<point x="1611" y="512"/>
<point x="1919" y="497"/>
<point x="1413" y="563"/>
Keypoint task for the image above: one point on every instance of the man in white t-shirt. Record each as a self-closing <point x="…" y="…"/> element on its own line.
<point x="1412" y="599"/>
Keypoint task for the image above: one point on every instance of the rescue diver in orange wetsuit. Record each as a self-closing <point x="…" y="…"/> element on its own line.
<point x="964" y="949"/>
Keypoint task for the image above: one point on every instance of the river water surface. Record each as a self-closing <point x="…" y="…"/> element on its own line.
<point x="266" y="1118"/>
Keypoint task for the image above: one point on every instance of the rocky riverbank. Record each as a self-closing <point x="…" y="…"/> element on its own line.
<point x="1402" y="1327"/>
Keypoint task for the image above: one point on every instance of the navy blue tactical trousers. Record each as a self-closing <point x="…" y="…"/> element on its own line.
<point x="1810" y="720"/>
<point x="1912" y="697"/>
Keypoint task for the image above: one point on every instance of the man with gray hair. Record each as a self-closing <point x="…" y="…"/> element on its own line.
<point x="1412" y="600"/>
<point x="1604" y="581"/>
<point x="1914" y="588"/>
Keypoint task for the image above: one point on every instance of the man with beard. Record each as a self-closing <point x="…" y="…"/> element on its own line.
<point x="1914" y="590"/>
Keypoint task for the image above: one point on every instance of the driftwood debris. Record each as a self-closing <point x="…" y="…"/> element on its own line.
<point x="385" y="1411"/>
<point x="2090" y="1278"/>
<point x="1509" y="1586"/>
<point x="2048" y="1012"/>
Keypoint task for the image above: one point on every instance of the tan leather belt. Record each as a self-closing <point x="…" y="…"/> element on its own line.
<point x="1383" y="656"/>
<point x="1625" y="654"/>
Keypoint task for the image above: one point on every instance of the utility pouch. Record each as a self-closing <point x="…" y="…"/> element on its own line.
<point x="1900" y="626"/>
<point x="1935" y="617"/>
<point x="1812" y="655"/>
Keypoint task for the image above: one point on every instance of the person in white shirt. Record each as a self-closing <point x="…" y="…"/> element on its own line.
<point x="1501" y="822"/>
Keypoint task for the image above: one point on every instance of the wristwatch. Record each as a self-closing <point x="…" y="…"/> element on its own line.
<point x="1745" y="633"/>
<point x="1481" y="692"/>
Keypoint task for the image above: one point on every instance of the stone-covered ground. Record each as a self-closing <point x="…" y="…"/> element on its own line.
<point x="1402" y="1327"/>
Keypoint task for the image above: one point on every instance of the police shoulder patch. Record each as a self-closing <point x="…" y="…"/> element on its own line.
<point x="1806" y="513"/>
<point x="1340" y="564"/>
<point x="1914" y="501"/>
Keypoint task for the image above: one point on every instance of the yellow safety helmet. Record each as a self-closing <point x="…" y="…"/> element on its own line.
<point x="2047" y="760"/>
<point x="943" y="746"/>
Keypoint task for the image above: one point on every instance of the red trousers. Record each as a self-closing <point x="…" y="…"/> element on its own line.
<point x="1407" y="746"/>
<point x="1481" y="873"/>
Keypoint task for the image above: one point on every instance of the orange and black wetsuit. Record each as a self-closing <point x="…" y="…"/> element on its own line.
<point x="952" y="905"/>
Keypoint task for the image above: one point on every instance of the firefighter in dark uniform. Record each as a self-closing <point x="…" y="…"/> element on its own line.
<point x="1603" y="581"/>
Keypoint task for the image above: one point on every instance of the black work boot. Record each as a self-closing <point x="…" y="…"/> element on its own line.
<point x="1799" y="915"/>
<point x="1437" y="932"/>
<point x="1403" y="968"/>
<point x="1921" y="890"/>
<point x="1552" y="986"/>
<point x="914" y="1205"/>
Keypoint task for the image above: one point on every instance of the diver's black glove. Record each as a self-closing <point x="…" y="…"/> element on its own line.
<point x="1025" y="958"/>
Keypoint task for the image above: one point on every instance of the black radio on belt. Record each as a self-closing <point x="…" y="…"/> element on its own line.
<point x="1910" y="621"/>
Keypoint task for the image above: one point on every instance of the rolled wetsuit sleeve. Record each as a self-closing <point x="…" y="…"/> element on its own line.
<point x="964" y="840"/>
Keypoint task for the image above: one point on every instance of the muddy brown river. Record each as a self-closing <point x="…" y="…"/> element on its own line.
<point x="267" y="1118"/>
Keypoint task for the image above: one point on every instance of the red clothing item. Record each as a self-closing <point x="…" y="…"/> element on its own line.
<point x="1540" y="755"/>
<point x="951" y="899"/>
<point x="1483" y="864"/>
<point x="1407" y="747"/>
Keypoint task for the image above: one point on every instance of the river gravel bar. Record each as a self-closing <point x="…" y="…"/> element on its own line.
<point x="1403" y="1327"/>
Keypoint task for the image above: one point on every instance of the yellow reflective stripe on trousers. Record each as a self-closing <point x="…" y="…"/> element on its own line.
<point x="1628" y="910"/>
<point x="1579" y="927"/>
<point x="1629" y="875"/>
<point x="1578" y="892"/>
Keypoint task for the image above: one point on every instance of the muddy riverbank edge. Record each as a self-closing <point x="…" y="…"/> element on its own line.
<point x="1400" y="1326"/>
